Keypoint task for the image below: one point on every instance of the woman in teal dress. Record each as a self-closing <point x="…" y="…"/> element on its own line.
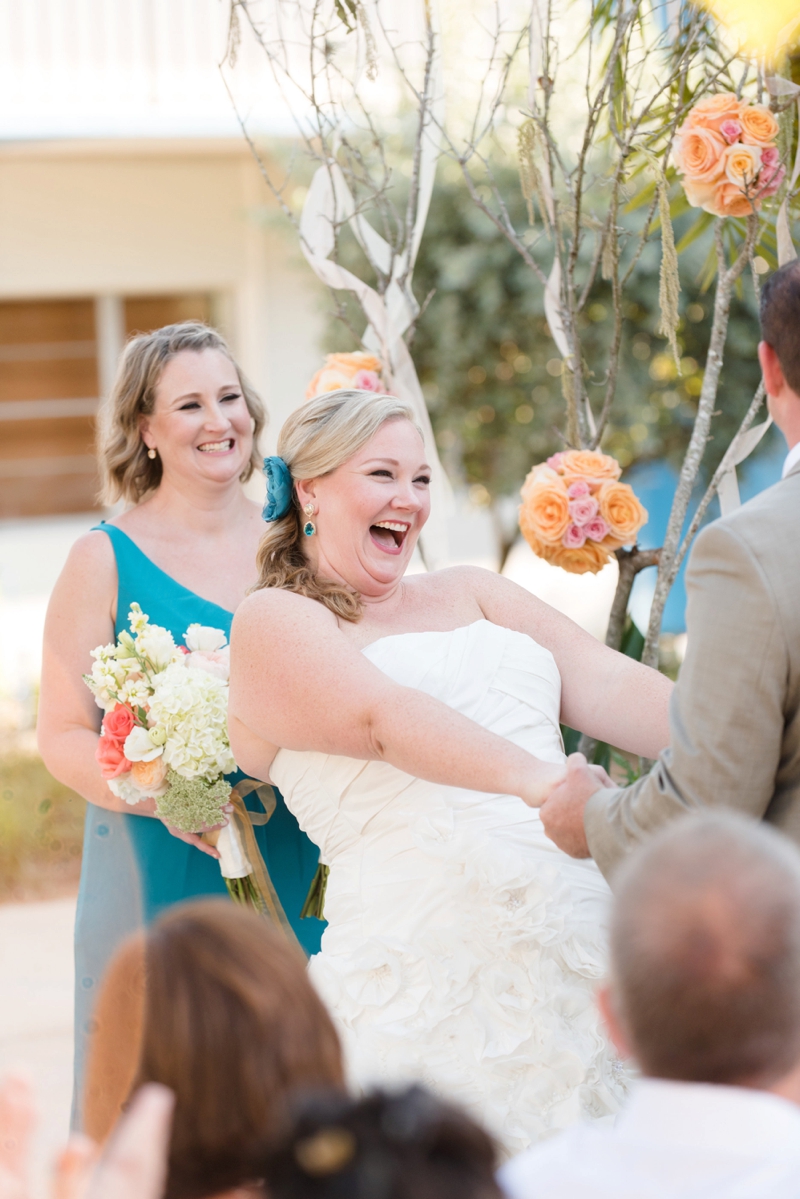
<point x="177" y="441"/>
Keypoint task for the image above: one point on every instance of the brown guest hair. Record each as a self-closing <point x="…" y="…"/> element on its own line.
<point x="125" y="470"/>
<point x="317" y="438"/>
<point x="231" y="1023"/>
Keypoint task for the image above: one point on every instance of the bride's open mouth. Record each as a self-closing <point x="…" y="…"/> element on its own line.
<point x="216" y="447"/>
<point x="389" y="535"/>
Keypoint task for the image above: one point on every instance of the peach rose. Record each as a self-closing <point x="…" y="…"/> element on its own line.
<point x="150" y="777"/>
<point x="699" y="154"/>
<point x="742" y="164"/>
<point x="712" y="111"/>
<point x="588" y="464"/>
<point x="339" y="370"/>
<point x="111" y="758"/>
<point x="118" y="722"/>
<point x="545" y="512"/>
<point x="730" y="200"/>
<point x="700" y="195"/>
<point x="538" y="474"/>
<point x="589" y="559"/>
<point x="759" y="126"/>
<point x="621" y="511"/>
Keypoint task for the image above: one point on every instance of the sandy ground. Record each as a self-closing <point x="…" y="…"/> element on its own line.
<point x="36" y="980"/>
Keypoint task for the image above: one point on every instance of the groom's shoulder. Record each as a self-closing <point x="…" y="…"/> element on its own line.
<point x="768" y="524"/>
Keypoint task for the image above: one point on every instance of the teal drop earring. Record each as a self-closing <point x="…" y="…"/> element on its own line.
<point x="309" y="528"/>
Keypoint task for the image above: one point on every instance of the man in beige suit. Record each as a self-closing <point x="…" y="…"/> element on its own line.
<point x="735" y="712"/>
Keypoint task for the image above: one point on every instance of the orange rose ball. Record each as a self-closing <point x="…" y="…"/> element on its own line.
<point x="544" y="515"/>
<point x="621" y="511"/>
<point x="339" y="370"/>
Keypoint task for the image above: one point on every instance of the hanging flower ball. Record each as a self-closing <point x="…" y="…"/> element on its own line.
<point x="575" y="513"/>
<point x="726" y="154"/>
<point x="358" y="370"/>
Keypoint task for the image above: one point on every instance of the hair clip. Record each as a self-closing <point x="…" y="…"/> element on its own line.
<point x="279" y="488"/>
<point x="326" y="1152"/>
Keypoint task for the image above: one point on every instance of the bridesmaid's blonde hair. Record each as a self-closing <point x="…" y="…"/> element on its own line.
<point x="126" y="472"/>
<point x="319" y="437"/>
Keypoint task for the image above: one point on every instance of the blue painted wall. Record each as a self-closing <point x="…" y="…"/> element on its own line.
<point x="654" y="483"/>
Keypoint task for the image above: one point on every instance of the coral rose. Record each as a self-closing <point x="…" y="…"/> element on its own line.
<point x="118" y="722"/>
<point x="699" y="154"/>
<point x="742" y="164"/>
<point x="621" y="511"/>
<point x="111" y="758"/>
<point x="713" y="111"/>
<point x="545" y="511"/>
<point x="150" y="777"/>
<point x="759" y="126"/>
<point x="588" y="464"/>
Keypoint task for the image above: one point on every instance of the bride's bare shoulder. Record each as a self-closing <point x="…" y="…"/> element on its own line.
<point x="277" y="609"/>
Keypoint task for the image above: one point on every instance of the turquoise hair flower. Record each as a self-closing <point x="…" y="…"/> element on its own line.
<point x="279" y="488"/>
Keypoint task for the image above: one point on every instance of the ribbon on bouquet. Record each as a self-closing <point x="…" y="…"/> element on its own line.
<point x="240" y="856"/>
<point x="329" y="205"/>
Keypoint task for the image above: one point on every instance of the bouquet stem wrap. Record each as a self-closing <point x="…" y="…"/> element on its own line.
<point x="241" y="863"/>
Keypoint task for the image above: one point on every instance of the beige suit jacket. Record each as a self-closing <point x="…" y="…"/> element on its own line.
<point x="735" y="712"/>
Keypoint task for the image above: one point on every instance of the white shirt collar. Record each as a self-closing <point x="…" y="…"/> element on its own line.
<point x="709" y="1115"/>
<point x="792" y="460"/>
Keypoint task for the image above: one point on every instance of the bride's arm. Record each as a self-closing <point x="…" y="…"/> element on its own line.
<point x="604" y="693"/>
<point x="297" y="682"/>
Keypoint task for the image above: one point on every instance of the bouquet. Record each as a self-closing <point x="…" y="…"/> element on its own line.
<point x="360" y="371"/>
<point x="164" y="735"/>
<point x="575" y="513"/>
<point x="725" y="150"/>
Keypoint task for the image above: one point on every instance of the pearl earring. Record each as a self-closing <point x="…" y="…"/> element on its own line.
<point x="152" y="454"/>
<point x="309" y="528"/>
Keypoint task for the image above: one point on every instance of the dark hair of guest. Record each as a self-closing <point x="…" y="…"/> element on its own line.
<point x="231" y="1025"/>
<point x="406" y="1145"/>
<point x="780" y="319"/>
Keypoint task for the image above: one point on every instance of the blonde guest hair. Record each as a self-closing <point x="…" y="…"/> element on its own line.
<point x="126" y="472"/>
<point x="319" y="437"/>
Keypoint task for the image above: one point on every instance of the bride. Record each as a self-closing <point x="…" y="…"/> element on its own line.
<point x="412" y="725"/>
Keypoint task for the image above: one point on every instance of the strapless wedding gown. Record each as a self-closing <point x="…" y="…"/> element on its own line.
<point x="462" y="948"/>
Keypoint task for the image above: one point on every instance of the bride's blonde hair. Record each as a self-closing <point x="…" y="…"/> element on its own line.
<point x="319" y="437"/>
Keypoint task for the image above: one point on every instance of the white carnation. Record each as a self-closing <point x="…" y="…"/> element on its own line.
<point x="191" y="705"/>
<point x="139" y="746"/>
<point x="202" y="637"/>
<point x="124" y="788"/>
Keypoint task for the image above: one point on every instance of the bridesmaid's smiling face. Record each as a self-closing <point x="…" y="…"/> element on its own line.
<point x="369" y="512"/>
<point x="200" y="424"/>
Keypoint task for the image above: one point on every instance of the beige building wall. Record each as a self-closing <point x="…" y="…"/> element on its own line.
<point x="99" y="219"/>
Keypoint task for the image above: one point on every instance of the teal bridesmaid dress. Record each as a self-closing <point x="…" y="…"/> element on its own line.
<point x="132" y="868"/>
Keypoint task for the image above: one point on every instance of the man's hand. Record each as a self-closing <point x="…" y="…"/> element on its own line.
<point x="562" y="811"/>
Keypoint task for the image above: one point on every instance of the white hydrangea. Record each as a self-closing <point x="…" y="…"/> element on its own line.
<point x="191" y="706"/>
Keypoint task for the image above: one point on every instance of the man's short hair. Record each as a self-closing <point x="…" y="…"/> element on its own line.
<point x="705" y="953"/>
<point x="780" y="319"/>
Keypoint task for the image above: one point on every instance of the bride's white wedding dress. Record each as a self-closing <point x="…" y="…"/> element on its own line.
<point x="463" y="947"/>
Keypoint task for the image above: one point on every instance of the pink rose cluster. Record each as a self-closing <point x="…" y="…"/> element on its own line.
<point x="726" y="154"/>
<point x="586" y="521"/>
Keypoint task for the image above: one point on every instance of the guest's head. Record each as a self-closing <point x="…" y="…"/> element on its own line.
<point x="181" y="412"/>
<point x="228" y="1020"/>
<point x="779" y="350"/>
<point x="406" y="1145"/>
<point x="705" y="955"/>
<point x="358" y="465"/>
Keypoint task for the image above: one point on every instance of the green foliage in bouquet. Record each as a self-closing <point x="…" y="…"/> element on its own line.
<point x="191" y="805"/>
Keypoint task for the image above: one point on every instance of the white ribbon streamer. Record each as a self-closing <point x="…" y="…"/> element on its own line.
<point x="728" y="490"/>
<point x="328" y="205"/>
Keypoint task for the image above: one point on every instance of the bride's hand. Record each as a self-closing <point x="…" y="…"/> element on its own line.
<point x="541" y="781"/>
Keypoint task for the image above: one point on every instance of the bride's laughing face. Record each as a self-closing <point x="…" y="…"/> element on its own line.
<point x="369" y="512"/>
